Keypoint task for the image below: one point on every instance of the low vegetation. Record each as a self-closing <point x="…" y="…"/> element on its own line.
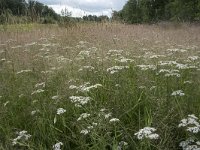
<point x="100" y="86"/>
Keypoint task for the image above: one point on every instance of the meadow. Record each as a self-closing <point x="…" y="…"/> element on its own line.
<point x="100" y="87"/>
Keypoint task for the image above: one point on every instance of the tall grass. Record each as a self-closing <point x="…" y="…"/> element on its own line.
<point x="95" y="86"/>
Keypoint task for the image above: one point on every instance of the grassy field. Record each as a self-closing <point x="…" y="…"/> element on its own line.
<point x="100" y="87"/>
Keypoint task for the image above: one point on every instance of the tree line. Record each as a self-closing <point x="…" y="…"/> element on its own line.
<point x="22" y="11"/>
<point x="146" y="11"/>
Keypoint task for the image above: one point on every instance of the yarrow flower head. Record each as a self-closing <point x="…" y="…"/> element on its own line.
<point x="83" y="116"/>
<point x="79" y="101"/>
<point x="178" y="93"/>
<point x="116" y="69"/>
<point x="85" y="87"/>
<point x="85" y="131"/>
<point x="190" y="144"/>
<point x="38" y="91"/>
<point x="114" y="120"/>
<point x="22" y="136"/>
<point x="192" y="124"/>
<point x="60" y="111"/>
<point x="147" y="132"/>
<point x="57" y="146"/>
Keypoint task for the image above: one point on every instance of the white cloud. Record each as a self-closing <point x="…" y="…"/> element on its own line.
<point x="85" y="7"/>
<point x="77" y="12"/>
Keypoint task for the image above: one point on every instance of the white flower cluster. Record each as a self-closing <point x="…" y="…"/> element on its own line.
<point x="56" y="97"/>
<point x="60" y="111"/>
<point x="121" y="145"/>
<point x="192" y="124"/>
<point x="176" y="64"/>
<point x="85" y="87"/>
<point x="79" y="100"/>
<point x="22" y="136"/>
<point x="37" y="91"/>
<point x="178" y="93"/>
<point x="57" y="146"/>
<point x="85" y="131"/>
<point x="167" y="63"/>
<point x="185" y="66"/>
<point x="88" y="129"/>
<point x="177" y="50"/>
<point x="84" y="53"/>
<point x="193" y="58"/>
<point x="40" y="85"/>
<point x="83" y="116"/>
<point x="114" y="52"/>
<point x="190" y="144"/>
<point x="156" y="56"/>
<point x="147" y="132"/>
<point x="116" y="69"/>
<point x="114" y="120"/>
<point x="169" y="73"/>
<point x="90" y="68"/>
<point x="124" y="60"/>
<point x="34" y="112"/>
<point x="147" y="67"/>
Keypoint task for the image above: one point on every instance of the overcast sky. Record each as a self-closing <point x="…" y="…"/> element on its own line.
<point x="80" y="8"/>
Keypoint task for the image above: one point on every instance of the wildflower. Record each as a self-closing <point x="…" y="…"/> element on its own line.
<point x="22" y="136"/>
<point x="190" y="144"/>
<point x="60" y="111"/>
<point x="90" y="68"/>
<point x="83" y="116"/>
<point x="182" y="66"/>
<point x="177" y="50"/>
<point x="85" y="131"/>
<point x="85" y="87"/>
<point x="178" y="93"/>
<point x="117" y="85"/>
<point x="84" y="53"/>
<point x="193" y="58"/>
<point x="147" y="67"/>
<point x="169" y="73"/>
<point x="34" y="112"/>
<point x="90" y="127"/>
<point x="124" y="60"/>
<point x="55" y="97"/>
<point x="156" y="56"/>
<point x="147" y="132"/>
<point x="102" y="110"/>
<point x="192" y="124"/>
<point x="111" y="52"/>
<point x="37" y="91"/>
<point x="108" y="115"/>
<point x="121" y="145"/>
<point x="114" y="120"/>
<point x="167" y="63"/>
<point x="83" y="42"/>
<point x="40" y="85"/>
<point x="79" y="100"/>
<point x="116" y="69"/>
<point x="94" y="124"/>
<point x="57" y="146"/>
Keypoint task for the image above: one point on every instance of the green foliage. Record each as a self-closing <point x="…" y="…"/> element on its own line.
<point x="33" y="11"/>
<point x="140" y="11"/>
